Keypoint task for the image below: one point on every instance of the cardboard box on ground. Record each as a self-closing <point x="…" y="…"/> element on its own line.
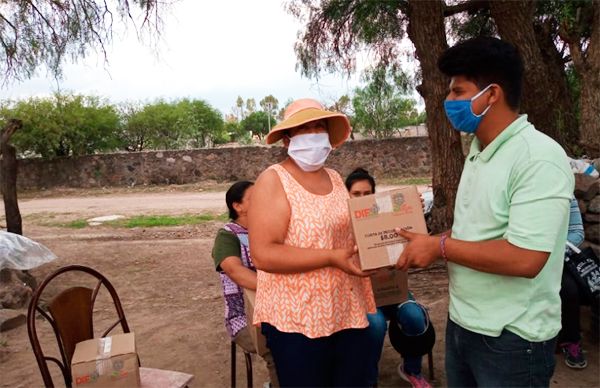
<point x="374" y="220"/>
<point x="106" y="362"/>
<point x="390" y="286"/>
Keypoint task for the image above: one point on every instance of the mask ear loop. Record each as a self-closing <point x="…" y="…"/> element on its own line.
<point x="424" y="312"/>
<point x="475" y="97"/>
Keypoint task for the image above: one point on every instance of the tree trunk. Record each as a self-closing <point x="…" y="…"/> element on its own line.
<point x="588" y="66"/>
<point x="427" y="32"/>
<point x="8" y="178"/>
<point x="546" y="95"/>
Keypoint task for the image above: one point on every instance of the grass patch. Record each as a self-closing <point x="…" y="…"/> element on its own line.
<point x="154" y="221"/>
<point x="147" y="221"/>
<point x="76" y="224"/>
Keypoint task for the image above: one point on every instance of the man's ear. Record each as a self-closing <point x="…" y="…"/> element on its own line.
<point x="286" y="141"/>
<point x="496" y="94"/>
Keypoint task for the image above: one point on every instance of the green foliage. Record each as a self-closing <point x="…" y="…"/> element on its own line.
<point x="257" y="123"/>
<point x="149" y="221"/>
<point x="574" y="17"/>
<point x="77" y="224"/>
<point x="342" y="104"/>
<point x="160" y="220"/>
<point x="381" y="108"/>
<point x="172" y="125"/>
<point x="135" y="129"/>
<point x="63" y="125"/>
<point x="200" y="123"/>
<point x="237" y="133"/>
<point x="152" y="126"/>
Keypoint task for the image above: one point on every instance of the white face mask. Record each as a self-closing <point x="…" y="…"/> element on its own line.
<point x="310" y="150"/>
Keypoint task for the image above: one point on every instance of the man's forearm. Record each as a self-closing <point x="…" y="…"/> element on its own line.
<point x="496" y="256"/>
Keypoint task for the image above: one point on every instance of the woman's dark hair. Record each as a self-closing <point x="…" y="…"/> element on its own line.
<point x="486" y="60"/>
<point x="360" y="174"/>
<point x="236" y="194"/>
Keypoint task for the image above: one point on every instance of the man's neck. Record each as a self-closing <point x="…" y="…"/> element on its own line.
<point x="488" y="131"/>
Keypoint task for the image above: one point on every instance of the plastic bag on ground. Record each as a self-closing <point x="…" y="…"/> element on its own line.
<point x="22" y="253"/>
<point x="580" y="166"/>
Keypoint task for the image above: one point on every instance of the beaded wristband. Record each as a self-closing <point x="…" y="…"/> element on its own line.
<point x="443" y="247"/>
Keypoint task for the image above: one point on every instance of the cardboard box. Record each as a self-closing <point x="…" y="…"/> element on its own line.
<point x="374" y="218"/>
<point x="106" y="362"/>
<point x="390" y="286"/>
<point x="259" y="340"/>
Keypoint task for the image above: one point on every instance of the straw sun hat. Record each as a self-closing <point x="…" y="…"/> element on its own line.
<point x="305" y="110"/>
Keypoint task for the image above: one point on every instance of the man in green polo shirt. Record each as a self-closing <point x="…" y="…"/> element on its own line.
<point x="505" y="249"/>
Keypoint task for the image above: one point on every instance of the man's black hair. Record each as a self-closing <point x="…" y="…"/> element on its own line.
<point x="235" y="194"/>
<point x="486" y="60"/>
<point x="360" y="174"/>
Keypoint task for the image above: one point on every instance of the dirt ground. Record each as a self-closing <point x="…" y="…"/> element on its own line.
<point x="171" y="294"/>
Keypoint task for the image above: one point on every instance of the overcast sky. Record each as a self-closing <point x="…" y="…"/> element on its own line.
<point x="214" y="50"/>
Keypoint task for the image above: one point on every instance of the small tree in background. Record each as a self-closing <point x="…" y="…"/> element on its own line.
<point x="381" y="107"/>
<point x="257" y="124"/>
<point x="200" y="123"/>
<point x="250" y="106"/>
<point x="156" y="124"/>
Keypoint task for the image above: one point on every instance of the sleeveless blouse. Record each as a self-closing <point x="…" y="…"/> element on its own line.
<point x="321" y="302"/>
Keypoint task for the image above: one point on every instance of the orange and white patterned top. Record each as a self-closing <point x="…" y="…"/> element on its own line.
<point x="321" y="302"/>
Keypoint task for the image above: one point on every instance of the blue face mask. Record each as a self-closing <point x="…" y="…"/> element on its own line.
<point x="460" y="113"/>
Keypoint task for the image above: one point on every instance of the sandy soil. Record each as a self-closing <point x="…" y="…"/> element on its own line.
<point x="172" y="297"/>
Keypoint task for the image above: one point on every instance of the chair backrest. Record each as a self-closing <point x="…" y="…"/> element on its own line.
<point x="70" y="314"/>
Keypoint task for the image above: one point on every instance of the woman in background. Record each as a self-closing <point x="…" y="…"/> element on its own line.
<point x="234" y="264"/>
<point x="411" y="333"/>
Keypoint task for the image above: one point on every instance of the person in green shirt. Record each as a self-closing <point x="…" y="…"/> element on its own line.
<point x="231" y="255"/>
<point x="505" y="249"/>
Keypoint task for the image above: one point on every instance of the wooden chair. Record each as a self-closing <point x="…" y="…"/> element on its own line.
<point x="70" y="314"/>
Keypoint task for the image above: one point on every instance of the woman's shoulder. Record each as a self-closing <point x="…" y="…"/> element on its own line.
<point x="335" y="176"/>
<point x="226" y="234"/>
<point x="331" y="171"/>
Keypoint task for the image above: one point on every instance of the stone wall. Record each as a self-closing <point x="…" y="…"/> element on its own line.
<point x="401" y="157"/>
<point x="587" y="192"/>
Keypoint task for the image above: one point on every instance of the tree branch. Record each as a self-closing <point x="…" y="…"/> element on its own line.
<point x="8" y="22"/>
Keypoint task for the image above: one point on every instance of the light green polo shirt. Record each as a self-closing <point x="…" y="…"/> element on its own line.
<point x="518" y="188"/>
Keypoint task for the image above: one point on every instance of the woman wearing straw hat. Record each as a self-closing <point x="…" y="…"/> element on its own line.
<point x="312" y="298"/>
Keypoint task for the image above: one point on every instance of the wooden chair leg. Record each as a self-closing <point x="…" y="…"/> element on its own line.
<point x="233" y="364"/>
<point x="248" y="369"/>
<point x="430" y="364"/>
